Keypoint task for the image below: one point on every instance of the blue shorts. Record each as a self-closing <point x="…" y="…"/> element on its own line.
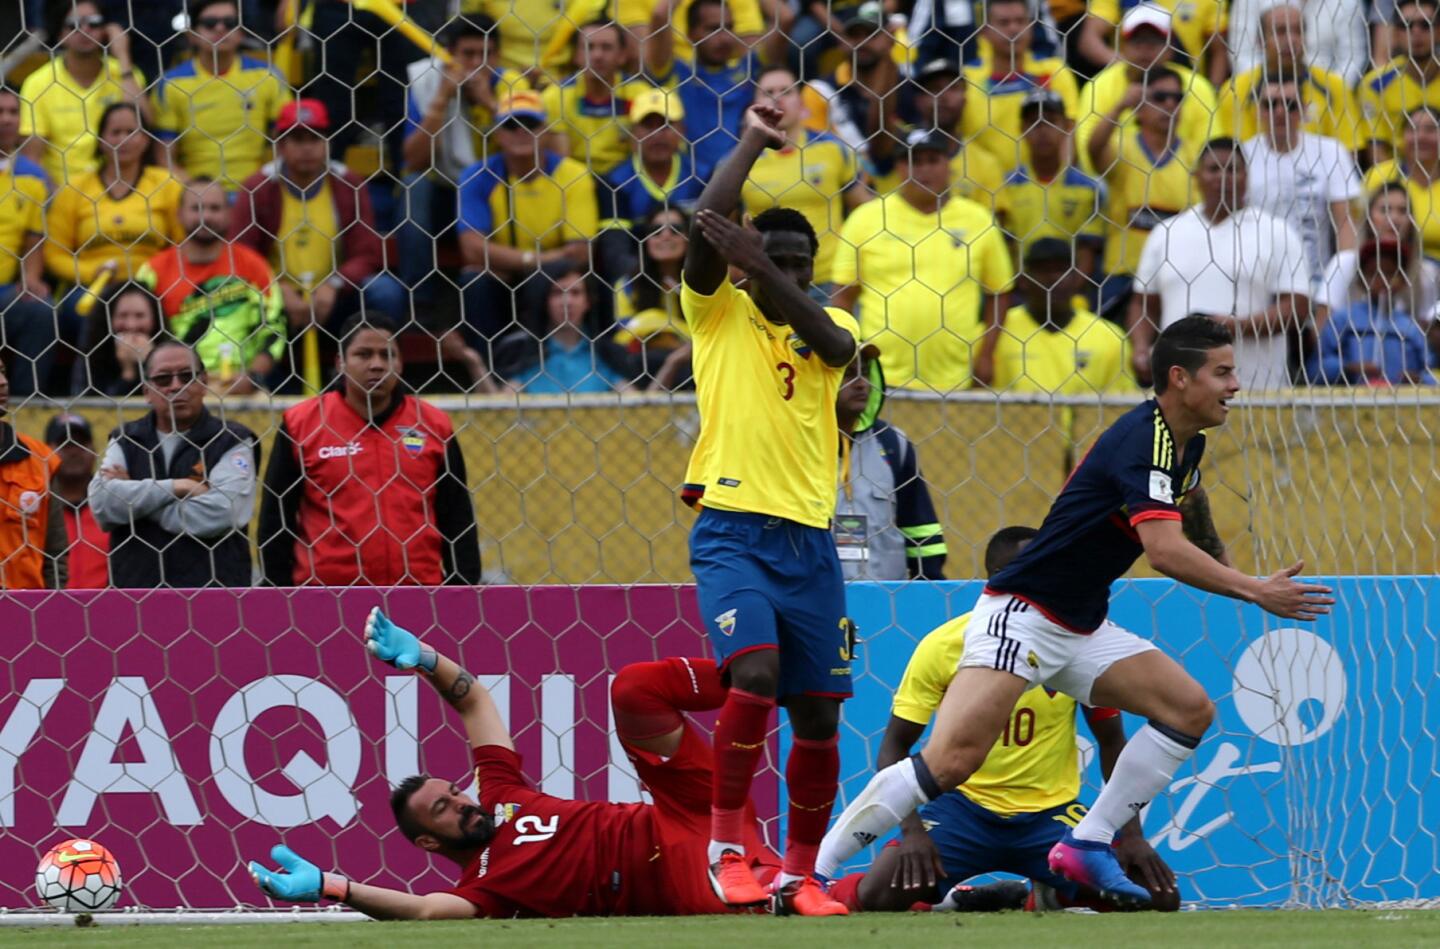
<point x="764" y="583"/>
<point x="973" y="840"/>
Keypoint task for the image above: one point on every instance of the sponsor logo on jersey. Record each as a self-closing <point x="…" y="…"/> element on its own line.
<point x="728" y="482"/>
<point x="484" y="864"/>
<point x="412" y="438"/>
<point x="339" y="451"/>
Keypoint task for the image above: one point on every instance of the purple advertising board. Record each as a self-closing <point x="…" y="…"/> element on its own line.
<point x="189" y="731"/>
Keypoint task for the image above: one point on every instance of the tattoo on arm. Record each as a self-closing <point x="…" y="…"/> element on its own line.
<point x="459" y="688"/>
<point x="1199" y="526"/>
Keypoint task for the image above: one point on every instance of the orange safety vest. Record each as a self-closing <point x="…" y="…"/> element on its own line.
<point x="26" y="467"/>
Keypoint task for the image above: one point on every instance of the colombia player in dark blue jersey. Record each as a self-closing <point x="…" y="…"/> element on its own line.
<point x="1042" y="620"/>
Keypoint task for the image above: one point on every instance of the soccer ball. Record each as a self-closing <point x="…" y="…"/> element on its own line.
<point x="78" y="876"/>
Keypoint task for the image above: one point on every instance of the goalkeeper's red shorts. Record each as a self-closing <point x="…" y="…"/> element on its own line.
<point x="680" y="786"/>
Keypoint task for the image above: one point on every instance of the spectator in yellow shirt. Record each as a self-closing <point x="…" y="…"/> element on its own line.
<point x="214" y="111"/>
<point x="925" y="272"/>
<point x="1199" y="27"/>
<point x="63" y="99"/>
<point x="114" y="219"/>
<point x="1418" y="169"/>
<point x="1391" y="92"/>
<point x="25" y="307"/>
<point x="1330" y="107"/>
<point x="1048" y="344"/>
<point x="588" y="110"/>
<point x="1009" y="71"/>
<point x="1109" y="98"/>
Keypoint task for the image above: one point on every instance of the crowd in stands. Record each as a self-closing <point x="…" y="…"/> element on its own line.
<point x="1013" y="195"/>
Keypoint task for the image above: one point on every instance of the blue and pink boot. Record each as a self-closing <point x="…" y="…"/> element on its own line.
<point x="1094" y="865"/>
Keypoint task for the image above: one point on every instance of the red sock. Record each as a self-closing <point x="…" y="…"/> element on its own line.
<point x="648" y="697"/>
<point x="811" y="779"/>
<point x="739" y="743"/>
<point x="847" y="890"/>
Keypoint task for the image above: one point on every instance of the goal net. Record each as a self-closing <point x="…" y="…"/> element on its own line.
<point x="510" y="187"/>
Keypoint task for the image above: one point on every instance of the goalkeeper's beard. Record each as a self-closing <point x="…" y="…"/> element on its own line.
<point x="476" y="829"/>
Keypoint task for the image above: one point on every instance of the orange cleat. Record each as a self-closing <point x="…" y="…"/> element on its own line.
<point x="734" y="882"/>
<point x="804" y="898"/>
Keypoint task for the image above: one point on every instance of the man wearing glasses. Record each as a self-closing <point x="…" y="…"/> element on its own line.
<point x="522" y="208"/>
<point x="213" y="111"/>
<point x="176" y="488"/>
<point x="63" y="99"/>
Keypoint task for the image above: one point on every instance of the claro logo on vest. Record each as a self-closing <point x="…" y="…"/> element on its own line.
<point x="339" y="451"/>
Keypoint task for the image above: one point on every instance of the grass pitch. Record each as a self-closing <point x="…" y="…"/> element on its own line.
<point x="1201" y="930"/>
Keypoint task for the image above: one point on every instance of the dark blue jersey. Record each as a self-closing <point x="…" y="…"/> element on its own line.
<point x="1088" y="540"/>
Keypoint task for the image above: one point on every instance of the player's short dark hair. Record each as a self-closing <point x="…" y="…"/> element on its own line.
<point x="601" y="23"/>
<point x="471" y="26"/>
<point x="400" y="805"/>
<point x="166" y="341"/>
<point x="1004" y="546"/>
<point x="692" y="15"/>
<point x="787" y="220"/>
<point x="1223" y="144"/>
<point x="1395" y="17"/>
<point x="1187" y="344"/>
<point x="194" y="8"/>
<point x="373" y="320"/>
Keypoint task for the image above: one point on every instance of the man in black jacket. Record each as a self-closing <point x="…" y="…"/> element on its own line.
<point x="176" y="489"/>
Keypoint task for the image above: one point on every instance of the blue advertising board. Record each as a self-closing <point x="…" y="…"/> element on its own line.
<point x="1318" y="781"/>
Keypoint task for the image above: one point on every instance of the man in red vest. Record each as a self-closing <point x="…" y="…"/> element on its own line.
<point x="366" y="483"/>
<point x="73" y="442"/>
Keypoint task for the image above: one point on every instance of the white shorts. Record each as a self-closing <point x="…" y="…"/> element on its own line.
<point x="1011" y="635"/>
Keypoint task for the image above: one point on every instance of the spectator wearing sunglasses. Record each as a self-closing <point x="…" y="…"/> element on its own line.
<point x="176" y="488"/>
<point x="522" y="208"/>
<point x="1308" y="181"/>
<point x="63" y="99"/>
<point x="215" y="110"/>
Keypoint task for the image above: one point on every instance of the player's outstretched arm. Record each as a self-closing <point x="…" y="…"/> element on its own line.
<point x="704" y="264"/>
<point x="300" y="881"/>
<point x="402" y="649"/>
<point x="1171" y="553"/>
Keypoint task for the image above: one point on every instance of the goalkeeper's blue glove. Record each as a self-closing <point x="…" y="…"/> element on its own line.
<point x="398" y="647"/>
<point x="298" y="880"/>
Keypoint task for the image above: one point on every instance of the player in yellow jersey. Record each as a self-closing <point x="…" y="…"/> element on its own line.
<point x="768" y="361"/>
<point x="1009" y="814"/>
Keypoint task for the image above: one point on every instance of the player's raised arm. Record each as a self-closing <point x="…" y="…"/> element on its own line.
<point x="704" y="265"/>
<point x="403" y="650"/>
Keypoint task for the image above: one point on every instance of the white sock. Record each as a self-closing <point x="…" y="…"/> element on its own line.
<point x="890" y="797"/>
<point x="788" y="878"/>
<point x="718" y="848"/>
<point x="1145" y="768"/>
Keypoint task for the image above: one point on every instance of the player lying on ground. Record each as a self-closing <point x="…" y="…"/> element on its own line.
<point x="768" y="361"/>
<point x="1012" y="811"/>
<point x="524" y="853"/>
<point x="1042" y="620"/>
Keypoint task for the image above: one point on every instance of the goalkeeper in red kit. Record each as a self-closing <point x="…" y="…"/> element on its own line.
<point x="522" y="853"/>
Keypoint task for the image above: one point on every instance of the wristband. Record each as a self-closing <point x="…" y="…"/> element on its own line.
<point x="335" y="887"/>
<point x="428" y="659"/>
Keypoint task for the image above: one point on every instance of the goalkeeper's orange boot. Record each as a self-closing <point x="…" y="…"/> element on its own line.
<point x="734" y="882"/>
<point x="804" y="898"/>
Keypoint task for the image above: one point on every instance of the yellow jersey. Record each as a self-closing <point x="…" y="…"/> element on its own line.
<point x="768" y="438"/>
<point x="598" y="129"/>
<point x="548" y="209"/>
<point x="55" y="107"/>
<point x="996" y="125"/>
<point x="1145" y="189"/>
<point x="220" y="124"/>
<point x="812" y="178"/>
<point x="1424" y="201"/>
<point x="1070" y="206"/>
<point x="22" y="214"/>
<point x="1088" y="356"/>
<point x="1034" y="764"/>
<point x="86" y="229"/>
<point x="304" y="250"/>
<point x="526" y="28"/>
<point x="1106" y="90"/>
<point x="1387" y="97"/>
<point x="1330" y="107"/>
<point x="922" y="276"/>
<point x="975" y="175"/>
<point x="1198" y="25"/>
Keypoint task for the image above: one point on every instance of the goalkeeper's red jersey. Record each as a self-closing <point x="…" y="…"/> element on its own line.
<point x="554" y="857"/>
